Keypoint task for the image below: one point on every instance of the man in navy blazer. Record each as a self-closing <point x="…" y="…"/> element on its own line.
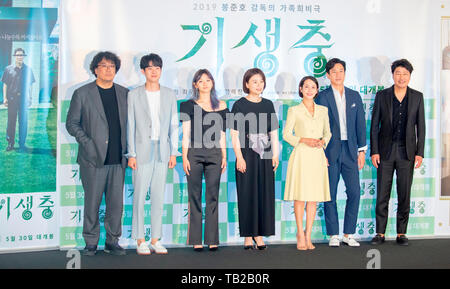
<point x="345" y="151"/>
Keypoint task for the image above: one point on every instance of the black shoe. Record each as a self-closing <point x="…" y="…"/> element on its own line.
<point x="114" y="249"/>
<point x="402" y="240"/>
<point x="262" y="247"/>
<point x="215" y="248"/>
<point x="377" y="240"/>
<point x="248" y="247"/>
<point x="89" y="250"/>
<point x="10" y="147"/>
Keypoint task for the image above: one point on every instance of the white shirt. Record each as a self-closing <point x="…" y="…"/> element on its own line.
<point x="342" y="112"/>
<point x="340" y="104"/>
<point x="154" y="100"/>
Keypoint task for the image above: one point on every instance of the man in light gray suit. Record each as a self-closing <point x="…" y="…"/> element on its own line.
<point x="152" y="149"/>
<point x="97" y="118"/>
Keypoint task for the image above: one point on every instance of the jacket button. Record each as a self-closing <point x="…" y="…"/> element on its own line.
<point x="106" y="141"/>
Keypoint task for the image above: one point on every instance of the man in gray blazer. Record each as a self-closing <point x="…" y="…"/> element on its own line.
<point x="152" y="149"/>
<point x="97" y="118"/>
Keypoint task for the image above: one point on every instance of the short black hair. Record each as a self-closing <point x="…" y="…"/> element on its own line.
<point x="402" y="63"/>
<point x="19" y="49"/>
<point x="332" y="62"/>
<point x="104" y="55"/>
<point x="154" y="58"/>
<point x="303" y="82"/>
<point x="248" y="74"/>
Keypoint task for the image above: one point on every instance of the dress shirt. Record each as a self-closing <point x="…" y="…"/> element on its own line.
<point x="399" y="118"/>
<point x="154" y="100"/>
<point x="340" y="104"/>
<point x="341" y="107"/>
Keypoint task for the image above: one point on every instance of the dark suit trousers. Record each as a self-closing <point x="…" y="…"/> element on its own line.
<point x="208" y="162"/>
<point x="346" y="166"/>
<point x="17" y="107"/>
<point x="110" y="180"/>
<point x="398" y="161"/>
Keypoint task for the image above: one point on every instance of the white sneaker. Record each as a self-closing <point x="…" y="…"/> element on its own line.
<point x="143" y="249"/>
<point x="334" y="241"/>
<point x="350" y="241"/>
<point x="158" y="248"/>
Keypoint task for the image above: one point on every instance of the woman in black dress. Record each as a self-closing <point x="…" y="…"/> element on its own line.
<point x="255" y="143"/>
<point x="204" y="153"/>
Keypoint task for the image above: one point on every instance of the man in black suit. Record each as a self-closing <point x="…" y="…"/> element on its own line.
<point x="397" y="140"/>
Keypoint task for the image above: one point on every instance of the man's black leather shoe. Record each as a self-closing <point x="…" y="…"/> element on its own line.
<point x="402" y="240"/>
<point x="89" y="250"/>
<point x="114" y="249"/>
<point x="377" y="240"/>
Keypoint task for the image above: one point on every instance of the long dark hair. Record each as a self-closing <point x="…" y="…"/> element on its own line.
<point x="213" y="95"/>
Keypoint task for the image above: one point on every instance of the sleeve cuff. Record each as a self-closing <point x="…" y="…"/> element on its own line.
<point x="130" y="155"/>
<point x="364" y="148"/>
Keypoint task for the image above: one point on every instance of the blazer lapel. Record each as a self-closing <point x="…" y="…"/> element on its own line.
<point x="333" y="106"/>
<point x="144" y="101"/>
<point x="161" y="104"/>
<point x="121" y="106"/>
<point x="348" y="109"/>
<point x="411" y="98"/>
<point x="97" y="100"/>
<point x="389" y="99"/>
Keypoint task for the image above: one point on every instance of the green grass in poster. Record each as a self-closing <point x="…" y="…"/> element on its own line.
<point x="33" y="170"/>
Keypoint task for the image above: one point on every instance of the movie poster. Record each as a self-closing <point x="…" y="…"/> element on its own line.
<point x="29" y="42"/>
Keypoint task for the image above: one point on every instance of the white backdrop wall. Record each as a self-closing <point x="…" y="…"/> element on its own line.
<point x="228" y="37"/>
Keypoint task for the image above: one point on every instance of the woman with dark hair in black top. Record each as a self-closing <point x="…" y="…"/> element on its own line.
<point x="255" y="143"/>
<point x="204" y="152"/>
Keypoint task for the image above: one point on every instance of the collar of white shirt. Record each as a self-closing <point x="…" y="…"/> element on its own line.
<point x="338" y="96"/>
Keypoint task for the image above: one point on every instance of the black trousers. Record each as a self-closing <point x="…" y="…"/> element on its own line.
<point x="17" y="107"/>
<point x="207" y="162"/>
<point x="404" y="168"/>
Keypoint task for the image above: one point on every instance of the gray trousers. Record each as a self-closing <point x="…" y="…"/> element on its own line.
<point x="207" y="162"/>
<point x="149" y="176"/>
<point x="110" y="180"/>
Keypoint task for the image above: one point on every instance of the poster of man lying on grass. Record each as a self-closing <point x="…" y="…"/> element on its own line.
<point x="28" y="117"/>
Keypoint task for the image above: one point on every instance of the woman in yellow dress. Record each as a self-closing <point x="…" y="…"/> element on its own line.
<point x="307" y="129"/>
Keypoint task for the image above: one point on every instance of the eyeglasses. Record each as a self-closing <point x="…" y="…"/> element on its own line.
<point x="106" y="66"/>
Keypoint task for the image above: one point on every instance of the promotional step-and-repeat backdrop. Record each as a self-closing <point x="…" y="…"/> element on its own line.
<point x="287" y="40"/>
<point x="29" y="42"/>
